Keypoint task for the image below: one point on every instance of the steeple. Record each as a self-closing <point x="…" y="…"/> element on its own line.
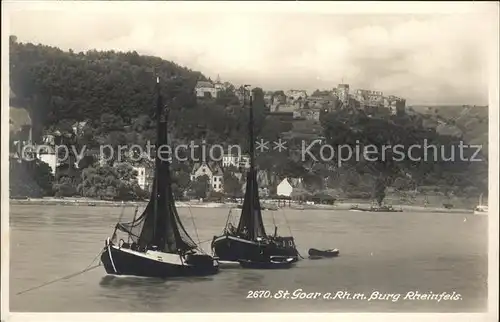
<point x="217" y="81"/>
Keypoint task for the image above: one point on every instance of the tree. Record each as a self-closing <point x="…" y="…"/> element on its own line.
<point x="379" y="191"/>
<point x="111" y="183"/>
<point x="64" y="187"/>
<point x="181" y="182"/>
<point x="42" y="175"/>
<point x="201" y="186"/>
<point x="402" y="183"/>
<point x="30" y="179"/>
<point x="232" y="185"/>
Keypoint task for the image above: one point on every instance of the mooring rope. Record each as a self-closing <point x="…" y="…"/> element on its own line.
<point x="286" y="220"/>
<point x="300" y="254"/>
<point x="194" y="224"/>
<point x="291" y="234"/>
<point x="88" y="268"/>
<point x="206" y="241"/>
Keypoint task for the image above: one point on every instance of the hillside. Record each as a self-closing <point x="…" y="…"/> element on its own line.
<point x="113" y="92"/>
<point x="468" y="122"/>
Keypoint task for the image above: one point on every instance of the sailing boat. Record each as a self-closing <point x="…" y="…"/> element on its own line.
<point x="248" y="243"/>
<point x="157" y="243"/>
<point x="480" y="208"/>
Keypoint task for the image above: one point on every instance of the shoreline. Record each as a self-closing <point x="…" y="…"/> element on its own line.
<point x="344" y="206"/>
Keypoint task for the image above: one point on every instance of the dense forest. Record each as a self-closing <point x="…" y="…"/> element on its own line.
<point x="113" y="93"/>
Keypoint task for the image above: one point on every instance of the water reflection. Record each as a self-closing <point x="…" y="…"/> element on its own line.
<point x="112" y="281"/>
<point x="250" y="279"/>
<point x="393" y="253"/>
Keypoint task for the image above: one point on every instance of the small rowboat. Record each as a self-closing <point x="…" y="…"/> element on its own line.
<point x="316" y="253"/>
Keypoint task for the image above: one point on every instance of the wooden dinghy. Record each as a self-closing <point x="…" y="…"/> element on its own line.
<point x="317" y="254"/>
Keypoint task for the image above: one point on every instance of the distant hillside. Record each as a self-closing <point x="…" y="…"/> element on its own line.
<point x="55" y="85"/>
<point x="468" y="122"/>
<point x="18" y="117"/>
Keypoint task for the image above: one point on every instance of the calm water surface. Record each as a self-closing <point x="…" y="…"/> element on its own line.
<point x="385" y="252"/>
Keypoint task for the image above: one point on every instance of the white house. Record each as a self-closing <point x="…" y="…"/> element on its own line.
<point x="49" y="157"/>
<point x="217" y="181"/>
<point x="287" y="185"/>
<point x="242" y="161"/>
<point x="201" y="170"/>
<point x="230" y="160"/>
<point x="215" y="176"/>
<point x="284" y="188"/>
<point x="141" y="176"/>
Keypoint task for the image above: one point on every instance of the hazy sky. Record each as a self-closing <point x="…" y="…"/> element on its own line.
<point x="440" y="59"/>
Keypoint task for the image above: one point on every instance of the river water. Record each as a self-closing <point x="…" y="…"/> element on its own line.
<point x="392" y="253"/>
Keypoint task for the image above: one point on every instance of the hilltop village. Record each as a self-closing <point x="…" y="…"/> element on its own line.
<point x="299" y="105"/>
<point x="295" y="105"/>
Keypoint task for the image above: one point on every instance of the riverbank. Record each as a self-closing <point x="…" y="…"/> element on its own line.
<point x="345" y="205"/>
<point x="106" y="203"/>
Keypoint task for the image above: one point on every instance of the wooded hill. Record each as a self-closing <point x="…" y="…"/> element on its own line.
<point x="114" y="93"/>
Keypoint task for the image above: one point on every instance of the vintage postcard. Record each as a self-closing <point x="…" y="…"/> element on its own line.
<point x="249" y="157"/>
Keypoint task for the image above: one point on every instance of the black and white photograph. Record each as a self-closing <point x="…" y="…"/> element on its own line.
<point x="249" y="157"/>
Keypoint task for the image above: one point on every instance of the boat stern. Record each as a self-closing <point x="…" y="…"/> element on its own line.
<point x="202" y="263"/>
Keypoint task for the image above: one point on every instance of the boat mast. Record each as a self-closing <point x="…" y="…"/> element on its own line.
<point x="252" y="166"/>
<point x="250" y="130"/>
<point x="157" y="158"/>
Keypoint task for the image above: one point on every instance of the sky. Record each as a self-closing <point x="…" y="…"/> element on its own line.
<point x="427" y="58"/>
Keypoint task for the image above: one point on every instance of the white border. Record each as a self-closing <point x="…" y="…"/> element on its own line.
<point x="490" y="10"/>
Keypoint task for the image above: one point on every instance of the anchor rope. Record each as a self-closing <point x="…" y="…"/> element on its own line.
<point x="88" y="268"/>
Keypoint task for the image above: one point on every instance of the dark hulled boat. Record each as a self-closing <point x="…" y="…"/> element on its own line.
<point x="248" y="243"/>
<point x="157" y="244"/>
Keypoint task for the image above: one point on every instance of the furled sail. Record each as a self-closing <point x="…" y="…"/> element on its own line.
<point x="159" y="225"/>
<point x="251" y="223"/>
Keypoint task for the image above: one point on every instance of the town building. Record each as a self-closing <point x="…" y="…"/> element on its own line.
<point x="201" y="170"/>
<point x="217" y="180"/>
<point x="238" y="161"/>
<point x="284" y="108"/>
<point x="369" y="101"/>
<point x="244" y="162"/>
<point x="294" y="95"/>
<point x="396" y="105"/>
<point x="229" y="160"/>
<point x="342" y="92"/>
<point x="141" y="177"/>
<point x="307" y="114"/>
<point x="208" y="89"/>
<point x="268" y="98"/>
<point x="240" y="94"/>
<point x="284" y="188"/>
<point x="214" y="173"/>
<point x="78" y="128"/>
<point x="48" y="155"/>
<point x="279" y="98"/>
